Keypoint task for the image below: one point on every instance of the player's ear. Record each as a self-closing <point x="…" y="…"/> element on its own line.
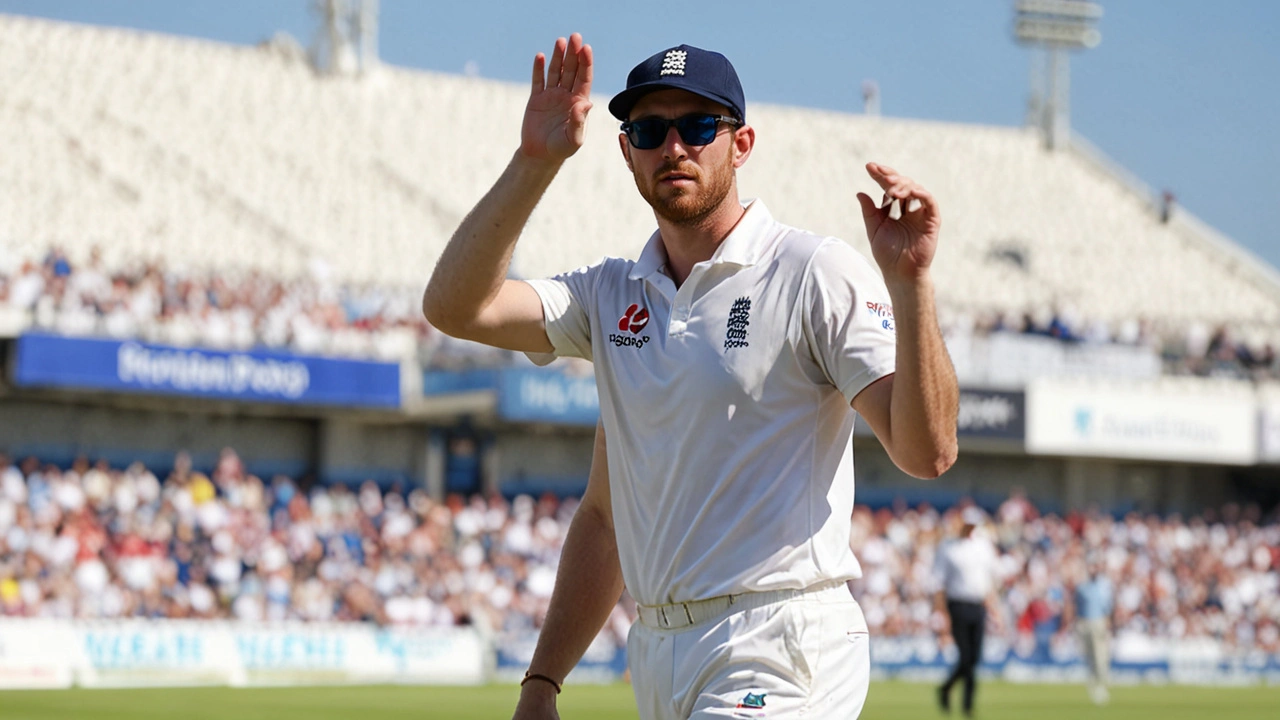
<point x="625" y="146"/>
<point x="744" y="140"/>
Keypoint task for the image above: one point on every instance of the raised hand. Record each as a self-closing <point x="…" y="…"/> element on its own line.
<point x="903" y="247"/>
<point x="556" y="115"/>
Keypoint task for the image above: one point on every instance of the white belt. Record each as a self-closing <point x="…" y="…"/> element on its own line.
<point x="695" y="612"/>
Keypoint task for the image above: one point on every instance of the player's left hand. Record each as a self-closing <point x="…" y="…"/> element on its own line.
<point x="903" y="247"/>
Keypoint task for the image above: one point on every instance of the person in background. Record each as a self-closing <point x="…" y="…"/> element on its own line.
<point x="967" y="568"/>
<point x="1094" y="600"/>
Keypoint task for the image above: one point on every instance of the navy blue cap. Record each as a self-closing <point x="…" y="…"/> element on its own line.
<point x="701" y="72"/>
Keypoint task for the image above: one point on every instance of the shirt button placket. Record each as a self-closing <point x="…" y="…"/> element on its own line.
<point x="679" y="319"/>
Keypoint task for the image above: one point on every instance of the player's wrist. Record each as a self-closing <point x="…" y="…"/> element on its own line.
<point x="909" y="288"/>
<point x="535" y="167"/>
<point x="537" y="692"/>
<point x="535" y="678"/>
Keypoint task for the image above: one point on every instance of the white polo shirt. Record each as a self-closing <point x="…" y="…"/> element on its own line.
<point x="726" y="405"/>
<point x="967" y="568"/>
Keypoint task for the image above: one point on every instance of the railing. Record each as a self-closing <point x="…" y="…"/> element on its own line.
<point x="1011" y="360"/>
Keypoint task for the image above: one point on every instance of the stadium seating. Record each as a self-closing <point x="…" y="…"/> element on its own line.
<point x="232" y="156"/>
<point x="96" y="541"/>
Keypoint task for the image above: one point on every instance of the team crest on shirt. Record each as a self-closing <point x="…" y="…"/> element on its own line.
<point x="633" y="321"/>
<point x="735" y="334"/>
<point x="882" y="312"/>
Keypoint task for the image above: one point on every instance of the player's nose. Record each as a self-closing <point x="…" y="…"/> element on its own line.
<point x="673" y="147"/>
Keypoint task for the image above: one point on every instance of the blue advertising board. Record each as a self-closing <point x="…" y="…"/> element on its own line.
<point x="53" y="361"/>
<point x="536" y="395"/>
<point x="525" y="394"/>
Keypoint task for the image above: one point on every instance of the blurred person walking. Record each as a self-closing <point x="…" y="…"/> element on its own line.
<point x="967" y="568"/>
<point x="1094" y="600"/>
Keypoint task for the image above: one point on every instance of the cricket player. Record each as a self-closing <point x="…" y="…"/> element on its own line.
<point x="730" y="358"/>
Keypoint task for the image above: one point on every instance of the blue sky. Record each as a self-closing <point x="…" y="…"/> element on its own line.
<point x="1182" y="93"/>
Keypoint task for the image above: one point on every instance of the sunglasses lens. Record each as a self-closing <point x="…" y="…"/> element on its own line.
<point x="647" y="133"/>
<point x="697" y="129"/>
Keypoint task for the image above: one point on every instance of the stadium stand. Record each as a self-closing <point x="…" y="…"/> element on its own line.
<point x="311" y="315"/>
<point x="237" y="157"/>
<point x="185" y="192"/>
<point x="306" y="315"/>
<point x="97" y="541"/>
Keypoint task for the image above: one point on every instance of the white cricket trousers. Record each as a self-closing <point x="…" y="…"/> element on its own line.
<point x="776" y="655"/>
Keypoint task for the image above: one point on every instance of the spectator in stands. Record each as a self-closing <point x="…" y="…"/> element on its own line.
<point x="28" y="286"/>
<point x="1168" y="202"/>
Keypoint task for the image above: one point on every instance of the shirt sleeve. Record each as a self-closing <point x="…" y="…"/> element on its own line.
<point x="849" y="318"/>
<point x="565" y="302"/>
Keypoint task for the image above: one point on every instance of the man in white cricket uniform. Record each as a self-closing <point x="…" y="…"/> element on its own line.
<point x="730" y="358"/>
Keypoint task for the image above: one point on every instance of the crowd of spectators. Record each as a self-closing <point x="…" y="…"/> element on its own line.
<point x="94" y="541"/>
<point x="1194" y="348"/>
<point x="1213" y="577"/>
<point x="313" y="315"/>
<point x="153" y="302"/>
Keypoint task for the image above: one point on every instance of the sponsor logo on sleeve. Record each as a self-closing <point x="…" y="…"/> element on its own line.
<point x="883" y="313"/>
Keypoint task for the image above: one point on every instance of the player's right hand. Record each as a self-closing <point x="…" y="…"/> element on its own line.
<point x="555" y="117"/>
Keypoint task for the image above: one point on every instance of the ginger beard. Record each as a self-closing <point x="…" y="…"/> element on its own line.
<point x="688" y="205"/>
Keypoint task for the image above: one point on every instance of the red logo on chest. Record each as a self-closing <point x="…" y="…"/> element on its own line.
<point x="634" y="319"/>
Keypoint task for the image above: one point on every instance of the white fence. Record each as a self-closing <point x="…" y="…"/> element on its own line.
<point x="59" y="654"/>
<point x="150" y="653"/>
<point x="1012" y="360"/>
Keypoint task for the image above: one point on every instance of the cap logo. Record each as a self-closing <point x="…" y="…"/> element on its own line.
<point x="673" y="63"/>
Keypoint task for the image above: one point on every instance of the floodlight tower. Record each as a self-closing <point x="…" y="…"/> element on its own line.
<point x="347" y="40"/>
<point x="1056" y="26"/>
<point x="367" y="29"/>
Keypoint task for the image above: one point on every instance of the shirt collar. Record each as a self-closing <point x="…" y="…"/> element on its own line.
<point x="652" y="258"/>
<point x="742" y="247"/>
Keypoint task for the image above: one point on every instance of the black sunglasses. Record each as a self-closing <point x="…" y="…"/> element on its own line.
<point x="695" y="129"/>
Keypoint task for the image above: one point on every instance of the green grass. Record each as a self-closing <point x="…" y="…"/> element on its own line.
<point x="887" y="701"/>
